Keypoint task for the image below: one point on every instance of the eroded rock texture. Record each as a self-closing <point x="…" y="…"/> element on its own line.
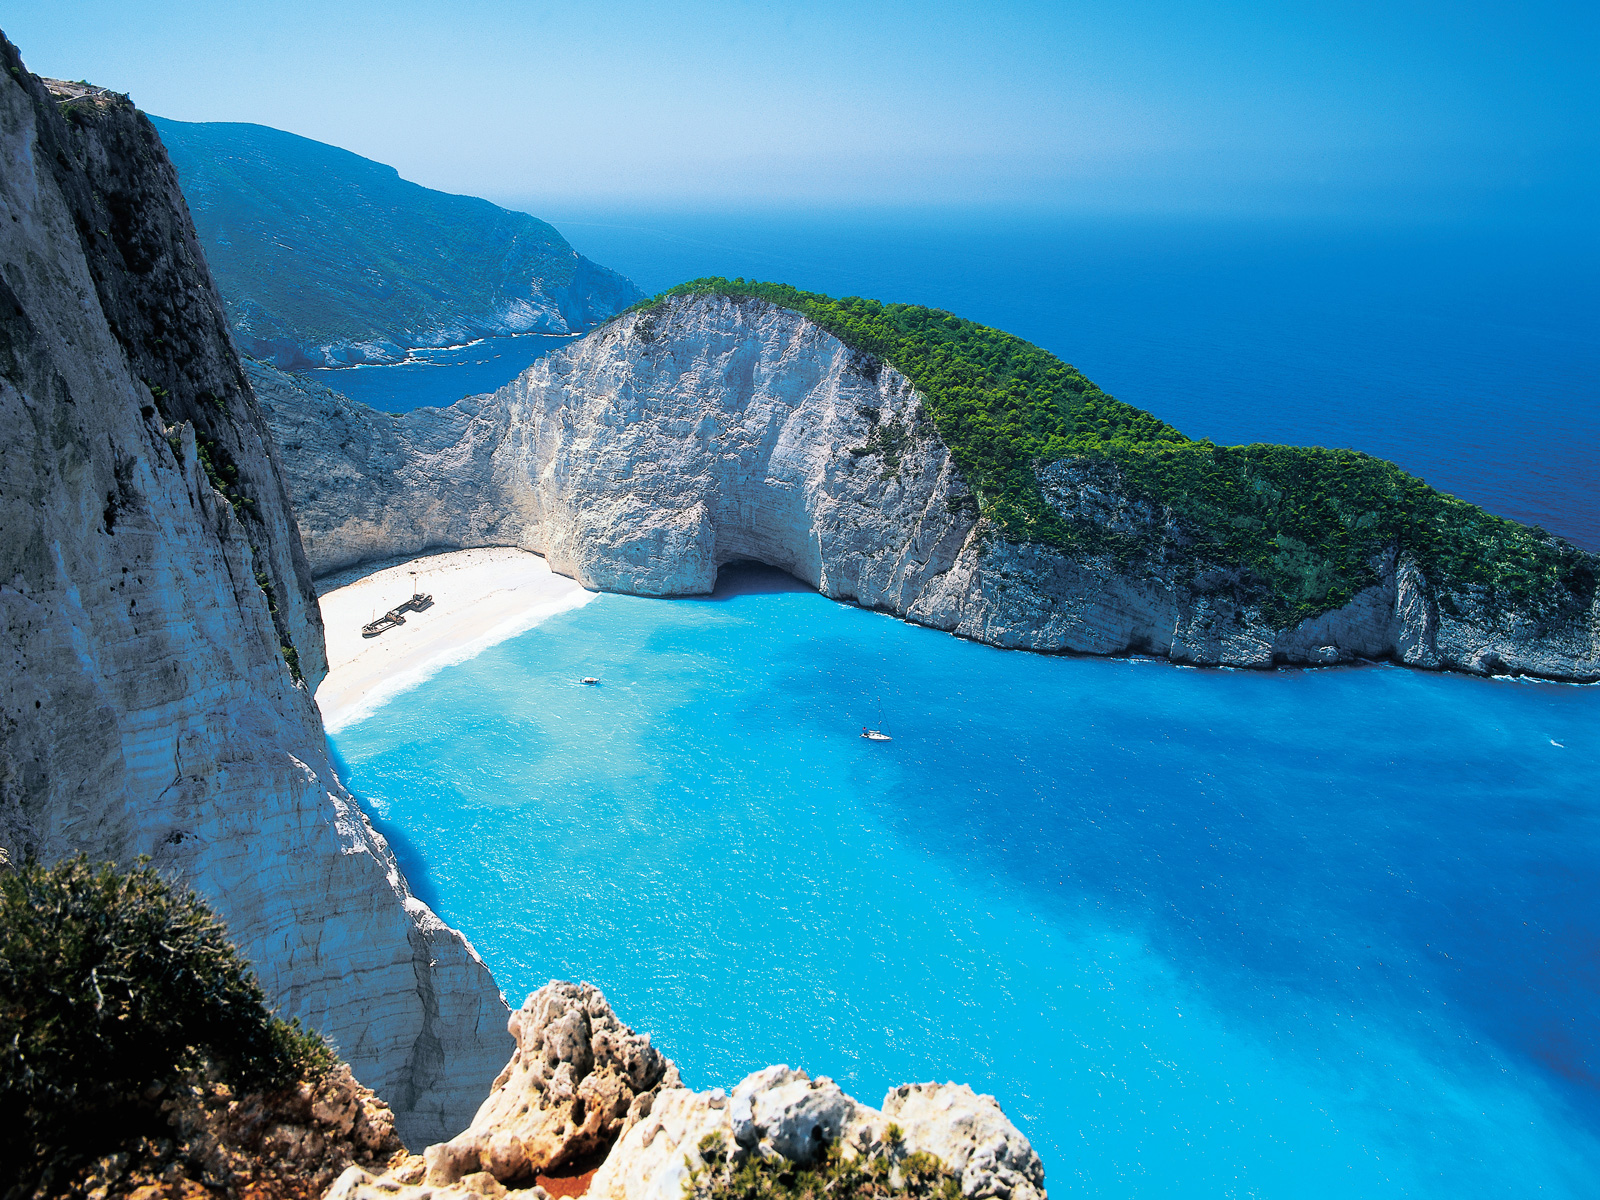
<point x="577" y="1081"/>
<point x="160" y="626"/>
<point x="290" y="1144"/>
<point x="570" y="1045"/>
<point x="712" y="430"/>
<point x="779" y="1111"/>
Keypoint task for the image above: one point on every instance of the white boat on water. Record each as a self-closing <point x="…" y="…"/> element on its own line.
<point x="589" y="679"/>
<point x="880" y="734"/>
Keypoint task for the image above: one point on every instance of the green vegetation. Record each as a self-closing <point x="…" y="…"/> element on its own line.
<point x="222" y="471"/>
<point x="1298" y="527"/>
<point x="887" y="1174"/>
<point x="114" y="987"/>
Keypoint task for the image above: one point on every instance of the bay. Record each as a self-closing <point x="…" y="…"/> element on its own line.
<point x="438" y="376"/>
<point x="1203" y="933"/>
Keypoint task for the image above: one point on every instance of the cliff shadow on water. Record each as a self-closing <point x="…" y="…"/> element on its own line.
<point x="411" y="860"/>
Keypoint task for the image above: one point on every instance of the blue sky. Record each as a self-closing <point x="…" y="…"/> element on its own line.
<point x="1139" y="105"/>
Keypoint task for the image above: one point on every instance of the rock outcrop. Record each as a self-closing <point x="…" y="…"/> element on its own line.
<point x="711" y="430"/>
<point x="785" y="1113"/>
<point x="161" y="632"/>
<point x="578" y="1079"/>
<point x="656" y="1133"/>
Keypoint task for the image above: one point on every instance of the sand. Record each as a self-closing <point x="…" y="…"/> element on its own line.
<point x="480" y="597"/>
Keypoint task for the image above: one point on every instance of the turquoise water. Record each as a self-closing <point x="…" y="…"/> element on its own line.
<point x="1204" y="933"/>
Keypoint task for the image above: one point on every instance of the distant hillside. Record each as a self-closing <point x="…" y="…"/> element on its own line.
<point x="324" y="257"/>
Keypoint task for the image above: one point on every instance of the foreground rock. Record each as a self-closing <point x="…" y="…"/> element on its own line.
<point x="581" y="1083"/>
<point x="578" y="1080"/>
<point x="786" y="1113"/>
<point x="160" y="628"/>
<point x="711" y="430"/>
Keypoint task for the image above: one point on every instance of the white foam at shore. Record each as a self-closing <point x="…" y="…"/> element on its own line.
<point x="480" y="598"/>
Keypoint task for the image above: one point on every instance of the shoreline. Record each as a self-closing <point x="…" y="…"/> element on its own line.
<point x="480" y="598"/>
<point x="412" y="358"/>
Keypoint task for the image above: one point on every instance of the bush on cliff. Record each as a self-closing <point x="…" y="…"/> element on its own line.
<point x="114" y="987"/>
<point x="887" y="1174"/>
<point x="1301" y="526"/>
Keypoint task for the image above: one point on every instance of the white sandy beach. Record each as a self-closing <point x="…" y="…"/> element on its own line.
<point x="480" y="597"/>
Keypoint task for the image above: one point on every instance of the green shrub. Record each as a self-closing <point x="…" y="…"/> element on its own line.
<point x="886" y="1173"/>
<point x="222" y="471"/>
<point x="1300" y="525"/>
<point x="113" y="987"/>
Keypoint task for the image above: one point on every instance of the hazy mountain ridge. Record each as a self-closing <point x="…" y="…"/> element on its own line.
<point x="326" y="258"/>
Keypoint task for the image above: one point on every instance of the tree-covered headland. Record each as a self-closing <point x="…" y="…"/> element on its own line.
<point x="1299" y="527"/>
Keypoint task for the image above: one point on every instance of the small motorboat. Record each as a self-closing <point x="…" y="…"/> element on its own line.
<point x="589" y="679"/>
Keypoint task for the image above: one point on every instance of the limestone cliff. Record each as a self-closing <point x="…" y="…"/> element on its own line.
<point x="711" y="430"/>
<point x="583" y="1086"/>
<point x="160" y="625"/>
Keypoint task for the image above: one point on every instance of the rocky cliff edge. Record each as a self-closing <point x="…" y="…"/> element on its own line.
<point x="582" y="1089"/>
<point x="161" y="633"/>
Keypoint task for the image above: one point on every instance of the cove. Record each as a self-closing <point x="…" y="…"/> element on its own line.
<point x="441" y="375"/>
<point x="1202" y="933"/>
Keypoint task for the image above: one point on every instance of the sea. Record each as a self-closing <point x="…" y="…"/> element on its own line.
<point x="435" y="376"/>
<point x="1203" y="933"/>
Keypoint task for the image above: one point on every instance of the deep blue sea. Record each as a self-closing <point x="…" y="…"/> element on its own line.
<point x="1323" y="933"/>
<point x="1204" y="933"/>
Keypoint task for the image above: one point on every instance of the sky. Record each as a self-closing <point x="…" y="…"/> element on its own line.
<point x="1140" y="106"/>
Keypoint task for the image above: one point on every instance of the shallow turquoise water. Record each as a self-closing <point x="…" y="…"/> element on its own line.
<point x="1204" y="933"/>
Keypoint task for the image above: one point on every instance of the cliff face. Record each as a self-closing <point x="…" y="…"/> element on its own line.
<point x="582" y="1085"/>
<point x="159" y="616"/>
<point x="325" y="258"/>
<point x="713" y="430"/>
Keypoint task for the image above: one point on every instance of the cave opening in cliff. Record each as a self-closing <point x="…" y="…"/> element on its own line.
<point x="749" y="577"/>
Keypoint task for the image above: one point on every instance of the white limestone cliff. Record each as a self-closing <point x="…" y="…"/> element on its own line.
<point x="582" y="1083"/>
<point x="711" y="430"/>
<point x="154" y="627"/>
<point x="578" y="1079"/>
